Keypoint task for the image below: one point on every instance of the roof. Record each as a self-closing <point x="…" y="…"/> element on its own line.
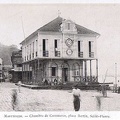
<point x="54" y="26"/>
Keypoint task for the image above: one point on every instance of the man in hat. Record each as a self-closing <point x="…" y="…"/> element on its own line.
<point x="76" y="98"/>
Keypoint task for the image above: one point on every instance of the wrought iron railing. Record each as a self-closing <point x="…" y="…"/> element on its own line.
<point x="32" y="55"/>
<point x="57" y="53"/>
<point x="45" y="53"/>
<point x="91" y="54"/>
<point x="36" y="54"/>
<point x="80" y="54"/>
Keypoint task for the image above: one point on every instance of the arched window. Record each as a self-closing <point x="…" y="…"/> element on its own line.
<point x="76" y="69"/>
<point x="54" y="69"/>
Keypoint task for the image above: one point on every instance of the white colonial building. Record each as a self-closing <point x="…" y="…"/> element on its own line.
<point x="59" y="51"/>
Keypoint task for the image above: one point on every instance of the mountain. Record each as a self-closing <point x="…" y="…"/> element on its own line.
<point x="6" y="52"/>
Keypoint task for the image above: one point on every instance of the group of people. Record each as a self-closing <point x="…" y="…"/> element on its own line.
<point x="48" y="82"/>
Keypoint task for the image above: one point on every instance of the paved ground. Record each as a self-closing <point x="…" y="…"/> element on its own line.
<point x="55" y="100"/>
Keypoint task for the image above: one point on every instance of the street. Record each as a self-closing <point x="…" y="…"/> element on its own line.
<point x="55" y="100"/>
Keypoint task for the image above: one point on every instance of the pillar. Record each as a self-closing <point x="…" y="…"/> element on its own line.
<point x="85" y="70"/>
<point x="90" y="71"/>
<point x="97" y="70"/>
<point x="81" y="70"/>
<point x="35" y="72"/>
<point x="29" y="72"/>
<point x="22" y="73"/>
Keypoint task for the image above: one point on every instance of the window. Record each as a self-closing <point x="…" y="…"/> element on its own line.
<point x="36" y="45"/>
<point x="89" y="46"/>
<point x="33" y="51"/>
<point x="44" y="44"/>
<point x="91" y="50"/>
<point x="77" y="72"/>
<point x="68" y="26"/>
<point x="33" y="47"/>
<point x="53" y="71"/>
<point x="36" y="54"/>
<point x="80" y="49"/>
<point x="30" y="51"/>
<point x="55" y="42"/>
<point x="79" y="46"/>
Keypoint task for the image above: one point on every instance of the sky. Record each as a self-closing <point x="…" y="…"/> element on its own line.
<point x="101" y="18"/>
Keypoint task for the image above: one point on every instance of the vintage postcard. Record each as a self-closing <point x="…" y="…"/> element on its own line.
<point x="59" y="60"/>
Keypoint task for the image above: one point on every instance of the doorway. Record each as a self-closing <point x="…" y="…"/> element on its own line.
<point x="65" y="74"/>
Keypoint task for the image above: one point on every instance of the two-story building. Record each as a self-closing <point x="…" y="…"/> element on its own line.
<point x="16" y="71"/>
<point x="59" y="51"/>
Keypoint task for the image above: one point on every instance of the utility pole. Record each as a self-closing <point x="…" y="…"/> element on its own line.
<point x="23" y="70"/>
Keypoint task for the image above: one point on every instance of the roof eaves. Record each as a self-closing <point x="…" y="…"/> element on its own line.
<point x="87" y="31"/>
<point x="34" y="33"/>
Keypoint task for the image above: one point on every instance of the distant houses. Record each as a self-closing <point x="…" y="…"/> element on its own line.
<point x="15" y="74"/>
<point x="58" y="53"/>
<point x="1" y="70"/>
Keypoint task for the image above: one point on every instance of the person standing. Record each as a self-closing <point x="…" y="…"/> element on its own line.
<point x="19" y="85"/>
<point x="76" y="98"/>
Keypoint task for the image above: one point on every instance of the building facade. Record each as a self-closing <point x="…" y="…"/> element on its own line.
<point x="16" y="71"/>
<point x="60" y="52"/>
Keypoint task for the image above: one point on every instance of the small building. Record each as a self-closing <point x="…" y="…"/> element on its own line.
<point x="16" y="71"/>
<point x="59" y="52"/>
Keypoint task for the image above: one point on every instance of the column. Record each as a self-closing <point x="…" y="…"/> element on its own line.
<point x="35" y="72"/>
<point x="85" y="70"/>
<point x="29" y="72"/>
<point x="81" y="70"/>
<point x="38" y="67"/>
<point x="25" y="73"/>
<point x="97" y="70"/>
<point x="22" y="72"/>
<point x="90" y="71"/>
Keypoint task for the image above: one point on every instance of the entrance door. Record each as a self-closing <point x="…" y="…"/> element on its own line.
<point x="65" y="74"/>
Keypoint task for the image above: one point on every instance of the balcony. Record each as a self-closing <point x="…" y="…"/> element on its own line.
<point x="91" y="54"/>
<point x="57" y="53"/>
<point x="45" y="53"/>
<point x="36" y="54"/>
<point x="80" y="54"/>
<point x="32" y="55"/>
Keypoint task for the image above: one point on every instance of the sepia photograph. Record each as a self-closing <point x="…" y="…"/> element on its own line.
<point x="59" y="57"/>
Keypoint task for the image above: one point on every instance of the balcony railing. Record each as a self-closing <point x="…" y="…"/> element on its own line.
<point x="80" y="54"/>
<point x="91" y="54"/>
<point x="57" y="53"/>
<point x="45" y="53"/>
<point x="32" y="55"/>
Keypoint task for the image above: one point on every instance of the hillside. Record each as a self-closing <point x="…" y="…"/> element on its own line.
<point x="6" y="52"/>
